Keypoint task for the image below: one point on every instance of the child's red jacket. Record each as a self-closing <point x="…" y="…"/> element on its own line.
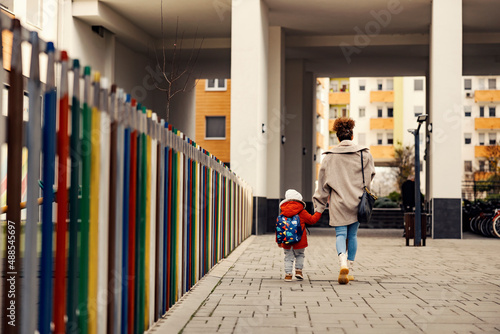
<point x="292" y="208"/>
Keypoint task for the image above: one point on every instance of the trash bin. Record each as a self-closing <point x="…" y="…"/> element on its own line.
<point x="410" y="227"/>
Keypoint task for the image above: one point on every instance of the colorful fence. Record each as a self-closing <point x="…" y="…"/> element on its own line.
<point x="141" y="212"/>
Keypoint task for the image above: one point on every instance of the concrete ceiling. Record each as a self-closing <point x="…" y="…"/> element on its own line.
<point x="298" y="17"/>
<point x="339" y="17"/>
<point x="211" y="18"/>
<point x="325" y="18"/>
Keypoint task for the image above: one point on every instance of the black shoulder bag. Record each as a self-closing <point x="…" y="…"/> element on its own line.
<point x="367" y="199"/>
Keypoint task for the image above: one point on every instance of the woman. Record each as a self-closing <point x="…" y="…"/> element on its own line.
<point x="341" y="181"/>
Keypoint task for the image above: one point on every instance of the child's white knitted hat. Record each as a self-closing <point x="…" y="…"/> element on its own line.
<point x="292" y="195"/>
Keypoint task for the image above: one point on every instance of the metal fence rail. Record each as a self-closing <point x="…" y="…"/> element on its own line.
<point x="484" y="190"/>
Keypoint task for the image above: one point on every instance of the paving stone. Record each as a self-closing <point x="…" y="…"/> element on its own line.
<point x="398" y="289"/>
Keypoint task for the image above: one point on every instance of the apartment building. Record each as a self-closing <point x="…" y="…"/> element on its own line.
<point x="383" y="109"/>
<point x="480" y="124"/>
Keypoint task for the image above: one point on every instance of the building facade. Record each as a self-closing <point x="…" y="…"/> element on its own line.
<point x="481" y="123"/>
<point x="383" y="108"/>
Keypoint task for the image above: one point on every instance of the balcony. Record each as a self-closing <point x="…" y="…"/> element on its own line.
<point x="381" y="96"/>
<point x="382" y="123"/>
<point x="383" y="155"/>
<point x="339" y="98"/>
<point x="487" y="96"/>
<point x="330" y="124"/>
<point x="320" y="140"/>
<point x="485" y="151"/>
<point x="491" y="123"/>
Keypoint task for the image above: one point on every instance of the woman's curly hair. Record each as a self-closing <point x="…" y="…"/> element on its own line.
<point x="343" y="126"/>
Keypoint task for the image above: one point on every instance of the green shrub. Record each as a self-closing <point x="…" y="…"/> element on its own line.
<point x="395" y="197"/>
<point x="493" y="197"/>
<point x="384" y="202"/>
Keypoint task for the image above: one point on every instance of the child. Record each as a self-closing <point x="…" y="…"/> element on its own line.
<point x="290" y="206"/>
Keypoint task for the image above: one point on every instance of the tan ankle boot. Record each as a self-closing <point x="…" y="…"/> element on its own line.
<point x="344" y="270"/>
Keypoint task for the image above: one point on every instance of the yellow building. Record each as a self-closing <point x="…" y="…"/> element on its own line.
<point x="213" y="117"/>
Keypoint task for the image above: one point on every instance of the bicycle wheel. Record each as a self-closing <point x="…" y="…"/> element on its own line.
<point x="472" y="223"/>
<point x="489" y="227"/>
<point x="484" y="227"/>
<point x="496" y="226"/>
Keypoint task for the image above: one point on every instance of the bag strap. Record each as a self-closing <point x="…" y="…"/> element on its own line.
<point x="362" y="169"/>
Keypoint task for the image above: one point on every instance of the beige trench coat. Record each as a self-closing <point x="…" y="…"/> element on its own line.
<point x="340" y="180"/>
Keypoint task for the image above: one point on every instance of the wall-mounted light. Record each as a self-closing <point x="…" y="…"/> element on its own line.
<point x="263" y="128"/>
<point x="283" y="139"/>
<point x="429" y="127"/>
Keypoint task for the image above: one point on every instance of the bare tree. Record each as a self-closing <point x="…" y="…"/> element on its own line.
<point x="493" y="156"/>
<point x="404" y="160"/>
<point x="176" y="71"/>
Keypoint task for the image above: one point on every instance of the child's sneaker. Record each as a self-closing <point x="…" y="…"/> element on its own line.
<point x="298" y="274"/>
<point x="288" y="277"/>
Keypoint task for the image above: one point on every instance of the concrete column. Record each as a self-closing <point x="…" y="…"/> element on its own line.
<point x="294" y="104"/>
<point x="309" y="135"/>
<point x="445" y="115"/>
<point x="275" y="121"/>
<point x="249" y="82"/>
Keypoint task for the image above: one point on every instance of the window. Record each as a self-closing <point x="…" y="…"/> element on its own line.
<point x="9" y="4"/>
<point x="467" y="84"/>
<point x="492" y="165"/>
<point x="34" y="12"/>
<point x="481" y="111"/>
<point x="362" y="85"/>
<point x="333" y="113"/>
<point x="379" y="112"/>
<point x="361" y="139"/>
<point x="334" y="86"/>
<point x="390" y="139"/>
<point x="344" y="86"/>
<point x="492" y="111"/>
<point x="418" y="84"/>
<point x="481" y="83"/>
<point x="215" y="127"/>
<point x="379" y="138"/>
<point x="216" y="84"/>
<point x="390" y="84"/>
<point x="361" y="111"/>
<point x="481" y="139"/>
<point x="390" y="112"/>
<point x="418" y="110"/>
<point x="211" y="83"/>
<point x="333" y="139"/>
<point x="481" y="165"/>
<point x="492" y="83"/>
<point x="468" y="111"/>
<point x="379" y="84"/>
<point x="468" y="166"/>
<point x="492" y="136"/>
<point x="468" y="138"/>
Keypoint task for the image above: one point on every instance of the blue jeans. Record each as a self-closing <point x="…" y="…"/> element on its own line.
<point x="349" y="232"/>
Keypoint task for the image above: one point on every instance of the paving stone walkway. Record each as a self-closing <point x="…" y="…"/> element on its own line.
<point x="449" y="286"/>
